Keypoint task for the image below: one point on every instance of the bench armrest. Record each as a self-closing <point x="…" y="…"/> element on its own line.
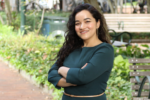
<point x="115" y="36"/>
<point x="142" y="84"/>
<point x="122" y="33"/>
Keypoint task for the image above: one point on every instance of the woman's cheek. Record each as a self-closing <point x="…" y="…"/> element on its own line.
<point x="77" y="29"/>
<point x="90" y="25"/>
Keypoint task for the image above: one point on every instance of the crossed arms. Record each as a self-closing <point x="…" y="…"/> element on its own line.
<point x="101" y="62"/>
<point x="63" y="71"/>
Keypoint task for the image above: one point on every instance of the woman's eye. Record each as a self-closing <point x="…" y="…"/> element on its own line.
<point x="77" y="24"/>
<point x="87" y="21"/>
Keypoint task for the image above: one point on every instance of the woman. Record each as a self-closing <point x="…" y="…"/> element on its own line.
<point x="86" y="58"/>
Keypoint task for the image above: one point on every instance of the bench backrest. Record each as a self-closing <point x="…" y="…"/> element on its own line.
<point x="137" y="74"/>
<point x="128" y="22"/>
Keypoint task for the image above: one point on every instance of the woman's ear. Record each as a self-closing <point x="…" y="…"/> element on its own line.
<point x="98" y="24"/>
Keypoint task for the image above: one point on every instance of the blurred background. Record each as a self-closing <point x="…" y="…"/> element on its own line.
<point x="121" y="15"/>
<point x="33" y="31"/>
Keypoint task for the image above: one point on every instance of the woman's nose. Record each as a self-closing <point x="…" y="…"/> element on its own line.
<point x="82" y="26"/>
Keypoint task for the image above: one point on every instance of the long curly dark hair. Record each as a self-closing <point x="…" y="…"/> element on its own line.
<point x="72" y="40"/>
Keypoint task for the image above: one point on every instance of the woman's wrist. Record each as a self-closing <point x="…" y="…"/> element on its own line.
<point x="59" y="70"/>
<point x="63" y="71"/>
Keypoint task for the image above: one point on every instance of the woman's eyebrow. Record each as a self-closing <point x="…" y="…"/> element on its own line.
<point x="84" y="19"/>
<point x="87" y="18"/>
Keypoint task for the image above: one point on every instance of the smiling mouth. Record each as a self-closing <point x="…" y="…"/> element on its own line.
<point x="83" y="32"/>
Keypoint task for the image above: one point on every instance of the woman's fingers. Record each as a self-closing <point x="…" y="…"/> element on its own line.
<point x="84" y="65"/>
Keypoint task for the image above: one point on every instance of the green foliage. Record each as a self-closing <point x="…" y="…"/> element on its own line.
<point x="3" y="15"/>
<point x="32" y="20"/>
<point x="5" y="29"/>
<point x="34" y="54"/>
<point x="129" y="4"/>
<point x="16" y="20"/>
<point x="118" y="82"/>
<point x="133" y="51"/>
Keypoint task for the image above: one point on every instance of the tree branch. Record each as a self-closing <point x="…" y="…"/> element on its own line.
<point x="41" y="21"/>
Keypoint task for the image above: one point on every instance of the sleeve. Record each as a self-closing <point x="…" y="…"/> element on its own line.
<point x="53" y="76"/>
<point x="101" y="62"/>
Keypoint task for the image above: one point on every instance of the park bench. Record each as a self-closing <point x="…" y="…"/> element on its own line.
<point x="117" y="39"/>
<point x="140" y="77"/>
<point x="128" y="22"/>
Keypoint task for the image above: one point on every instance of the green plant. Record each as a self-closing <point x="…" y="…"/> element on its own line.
<point x="133" y="51"/>
<point x="16" y="20"/>
<point x="118" y="82"/>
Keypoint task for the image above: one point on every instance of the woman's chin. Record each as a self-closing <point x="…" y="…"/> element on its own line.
<point x="84" y="38"/>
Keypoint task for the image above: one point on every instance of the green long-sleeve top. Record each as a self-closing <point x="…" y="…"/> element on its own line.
<point x="91" y="80"/>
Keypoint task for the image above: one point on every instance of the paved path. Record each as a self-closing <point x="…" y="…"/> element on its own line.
<point x="14" y="87"/>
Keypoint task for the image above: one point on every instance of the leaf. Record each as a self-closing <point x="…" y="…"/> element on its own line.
<point x="37" y="51"/>
<point x="145" y="45"/>
<point x="118" y="59"/>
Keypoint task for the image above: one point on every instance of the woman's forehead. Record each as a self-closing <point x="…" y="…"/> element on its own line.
<point x="82" y="15"/>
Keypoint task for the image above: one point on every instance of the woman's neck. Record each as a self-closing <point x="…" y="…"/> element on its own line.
<point x="91" y="43"/>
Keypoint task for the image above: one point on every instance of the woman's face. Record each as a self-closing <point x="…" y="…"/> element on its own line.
<point x="86" y="25"/>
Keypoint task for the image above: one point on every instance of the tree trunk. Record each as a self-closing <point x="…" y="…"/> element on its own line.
<point x="116" y="6"/>
<point x="60" y="4"/>
<point x="1" y="19"/>
<point x="148" y="6"/>
<point x="93" y="3"/>
<point x="121" y="6"/>
<point x="8" y="12"/>
<point x="17" y="5"/>
<point x="134" y="9"/>
<point x="111" y="6"/>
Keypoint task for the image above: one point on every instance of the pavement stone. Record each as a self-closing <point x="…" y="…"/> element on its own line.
<point x="14" y="87"/>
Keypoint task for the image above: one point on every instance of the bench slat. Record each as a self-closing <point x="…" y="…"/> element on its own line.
<point x="133" y="80"/>
<point x="139" y="60"/>
<point x="125" y="29"/>
<point x="128" y="27"/>
<point x="136" y="87"/>
<point x="127" y="15"/>
<point x="141" y="98"/>
<point x="143" y="94"/>
<point x="139" y="67"/>
<point x="139" y="73"/>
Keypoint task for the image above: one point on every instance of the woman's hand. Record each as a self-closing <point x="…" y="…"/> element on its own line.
<point x="63" y="71"/>
<point x="62" y="83"/>
<point x="84" y="66"/>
